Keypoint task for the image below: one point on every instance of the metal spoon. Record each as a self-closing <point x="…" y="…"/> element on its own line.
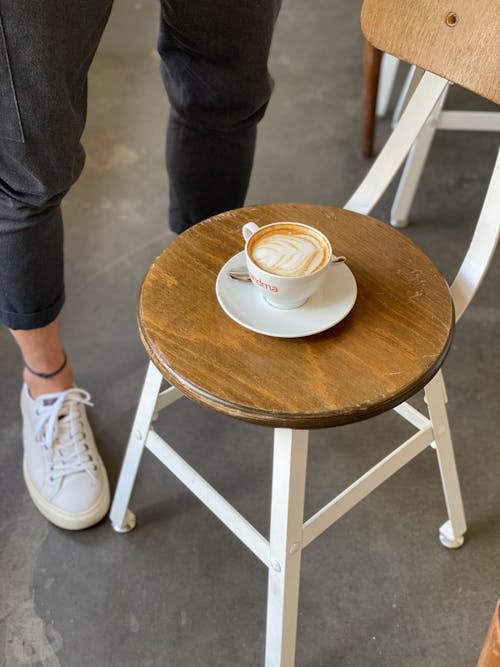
<point x="241" y="272"/>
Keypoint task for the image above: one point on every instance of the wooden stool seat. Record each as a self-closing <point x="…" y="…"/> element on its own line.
<point x="388" y="347"/>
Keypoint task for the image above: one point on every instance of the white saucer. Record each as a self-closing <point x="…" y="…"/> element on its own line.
<point x="245" y="305"/>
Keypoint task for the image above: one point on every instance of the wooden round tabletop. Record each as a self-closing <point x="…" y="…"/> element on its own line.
<point x="388" y="347"/>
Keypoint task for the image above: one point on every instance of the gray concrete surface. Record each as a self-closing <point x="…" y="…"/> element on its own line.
<point x="378" y="590"/>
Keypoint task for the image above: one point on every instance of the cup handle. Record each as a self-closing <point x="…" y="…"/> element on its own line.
<point x="248" y="229"/>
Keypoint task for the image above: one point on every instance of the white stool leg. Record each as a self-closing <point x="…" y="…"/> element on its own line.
<point x="413" y="168"/>
<point x="122" y="519"/>
<point x="287" y="516"/>
<point x="388" y="69"/>
<point x="451" y="533"/>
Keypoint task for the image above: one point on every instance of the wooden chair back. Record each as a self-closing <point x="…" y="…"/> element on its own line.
<point x="458" y="41"/>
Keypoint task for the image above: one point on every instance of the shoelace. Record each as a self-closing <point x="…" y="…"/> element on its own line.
<point x="61" y="430"/>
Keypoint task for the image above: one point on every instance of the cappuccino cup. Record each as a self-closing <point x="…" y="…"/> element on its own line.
<point x="287" y="261"/>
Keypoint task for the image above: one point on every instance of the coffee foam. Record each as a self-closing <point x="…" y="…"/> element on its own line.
<point x="288" y="250"/>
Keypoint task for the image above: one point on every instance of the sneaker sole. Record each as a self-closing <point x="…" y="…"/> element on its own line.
<point x="68" y="520"/>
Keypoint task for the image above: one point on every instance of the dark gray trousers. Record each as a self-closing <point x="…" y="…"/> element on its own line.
<point x="214" y="66"/>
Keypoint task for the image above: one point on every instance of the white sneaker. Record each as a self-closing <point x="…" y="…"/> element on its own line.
<point x="62" y="468"/>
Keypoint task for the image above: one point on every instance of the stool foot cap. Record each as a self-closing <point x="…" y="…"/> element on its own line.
<point x="447" y="539"/>
<point x="128" y="525"/>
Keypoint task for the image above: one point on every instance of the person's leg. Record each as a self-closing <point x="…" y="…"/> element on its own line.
<point x="45" y="51"/>
<point x="214" y="65"/>
<point x="43" y="353"/>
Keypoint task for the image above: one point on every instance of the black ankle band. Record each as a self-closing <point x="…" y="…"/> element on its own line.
<point x="47" y="376"/>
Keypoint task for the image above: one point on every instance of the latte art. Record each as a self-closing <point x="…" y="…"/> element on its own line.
<point x="286" y="253"/>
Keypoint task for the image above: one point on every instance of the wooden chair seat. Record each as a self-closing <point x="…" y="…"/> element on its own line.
<point x="388" y="347"/>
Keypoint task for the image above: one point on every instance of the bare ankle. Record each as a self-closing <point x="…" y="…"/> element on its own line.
<point x="46" y="368"/>
<point x="38" y="386"/>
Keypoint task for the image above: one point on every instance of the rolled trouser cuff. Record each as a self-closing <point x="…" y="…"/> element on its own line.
<point x="36" y="320"/>
<point x="31" y="267"/>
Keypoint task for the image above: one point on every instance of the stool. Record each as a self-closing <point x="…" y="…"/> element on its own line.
<point x="390" y="346"/>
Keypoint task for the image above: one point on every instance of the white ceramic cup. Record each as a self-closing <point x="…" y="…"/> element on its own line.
<point x="284" y="291"/>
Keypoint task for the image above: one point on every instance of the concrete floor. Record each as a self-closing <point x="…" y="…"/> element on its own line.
<point x="378" y="590"/>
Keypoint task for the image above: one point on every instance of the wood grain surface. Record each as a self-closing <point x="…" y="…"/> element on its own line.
<point x="458" y="40"/>
<point x="490" y="654"/>
<point x="389" y="346"/>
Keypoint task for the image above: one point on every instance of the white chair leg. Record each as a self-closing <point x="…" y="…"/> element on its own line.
<point x="451" y="533"/>
<point x="412" y="80"/>
<point x="413" y="168"/>
<point x="287" y="515"/>
<point x="122" y="519"/>
<point x="388" y="70"/>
